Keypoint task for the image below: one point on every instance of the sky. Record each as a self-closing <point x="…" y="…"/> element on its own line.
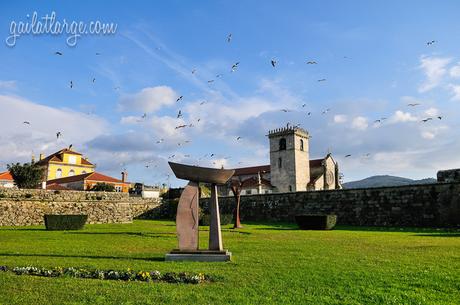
<point x="384" y="67"/>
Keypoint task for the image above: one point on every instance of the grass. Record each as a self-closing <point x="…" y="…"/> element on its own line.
<point x="273" y="264"/>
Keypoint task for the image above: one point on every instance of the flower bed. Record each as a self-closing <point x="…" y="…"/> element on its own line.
<point x="127" y="275"/>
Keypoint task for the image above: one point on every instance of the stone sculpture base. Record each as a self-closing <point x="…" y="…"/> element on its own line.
<point x="199" y="256"/>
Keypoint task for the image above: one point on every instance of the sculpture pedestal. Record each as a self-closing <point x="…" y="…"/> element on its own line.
<point x="199" y="256"/>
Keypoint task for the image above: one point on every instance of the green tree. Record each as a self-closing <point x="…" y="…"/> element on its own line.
<point x="27" y="175"/>
<point x="103" y="187"/>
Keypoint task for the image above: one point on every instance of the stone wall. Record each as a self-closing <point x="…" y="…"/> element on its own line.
<point x="449" y="175"/>
<point x="429" y="205"/>
<point x="27" y="207"/>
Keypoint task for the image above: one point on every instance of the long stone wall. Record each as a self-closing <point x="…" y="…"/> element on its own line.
<point x="27" y="207"/>
<point x="430" y="205"/>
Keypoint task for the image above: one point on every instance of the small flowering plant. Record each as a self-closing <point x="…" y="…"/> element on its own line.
<point x="127" y="275"/>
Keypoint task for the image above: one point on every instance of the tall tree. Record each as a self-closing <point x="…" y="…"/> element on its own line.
<point x="27" y="175"/>
<point x="236" y="190"/>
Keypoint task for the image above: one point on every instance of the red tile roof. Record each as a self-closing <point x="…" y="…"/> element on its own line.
<point x="57" y="156"/>
<point x="252" y="170"/>
<point x="6" y="176"/>
<point x="251" y="182"/>
<point x="56" y="187"/>
<point x="97" y="177"/>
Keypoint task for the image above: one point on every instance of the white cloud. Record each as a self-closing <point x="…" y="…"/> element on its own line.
<point x="401" y="117"/>
<point x="149" y="99"/>
<point x="359" y="123"/>
<point x="455" y="90"/>
<point x="340" y="118"/>
<point x="8" y="84"/>
<point x="434" y="69"/>
<point x="18" y="140"/>
<point x="455" y="71"/>
<point x="427" y="135"/>
<point x="432" y="112"/>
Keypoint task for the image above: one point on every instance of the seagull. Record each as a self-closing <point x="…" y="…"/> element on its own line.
<point x="193" y="71"/>
<point x="309" y="113"/>
<point x="426" y="120"/>
<point x="160" y="140"/>
<point x="94" y="79"/>
<point x="71" y="84"/>
<point x="229" y="37"/>
<point x="191" y="125"/>
<point x="311" y="62"/>
<point x="179" y="114"/>
<point x="413" y="104"/>
<point x="238" y="138"/>
<point x="326" y="111"/>
<point x="58" y="53"/>
<point x="198" y="120"/>
<point x="210" y="81"/>
<point x="26" y="122"/>
<point x="179" y="98"/>
<point x="377" y="121"/>
<point x="273" y="62"/>
<point x="202" y="102"/>
<point x="235" y="65"/>
<point x="219" y="75"/>
<point x="181" y="126"/>
<point x="172" y="156"/>
<point x="347" y="156"/>
<point x="117" y="88"/>
<point x="285" y="110"/>
<point x="322" y="80"/>
<point x="58" y="134"/>
<point x="440" y="117"/>
<point x="367" y="155"/>
<point x="429" y="43"/>
<point x="98" y="53"/>
<point x="212" y="155"/>
<point x="303" y="105"/>
<point x="70" y="146"/>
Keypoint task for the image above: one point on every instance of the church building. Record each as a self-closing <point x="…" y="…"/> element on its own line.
<point x="290" y="168"/>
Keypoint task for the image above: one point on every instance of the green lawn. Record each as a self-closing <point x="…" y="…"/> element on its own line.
<point x="272" y="264"/>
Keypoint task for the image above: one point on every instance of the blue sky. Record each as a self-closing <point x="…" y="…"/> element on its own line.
<point x="374" y="57"/>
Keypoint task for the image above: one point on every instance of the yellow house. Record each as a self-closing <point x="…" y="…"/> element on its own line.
<point x="65" y="163"/>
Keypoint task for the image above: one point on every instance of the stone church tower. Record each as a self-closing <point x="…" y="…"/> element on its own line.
<point x="289" y="159"/>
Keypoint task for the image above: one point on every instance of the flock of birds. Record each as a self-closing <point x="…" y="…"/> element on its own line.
<point x="234" y="67"/>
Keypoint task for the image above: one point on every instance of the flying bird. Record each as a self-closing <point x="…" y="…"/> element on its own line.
<point x="210" y="81"/>
<point x="181" y="126"/>
<point x="94" y="79"/>
<point x="160" y="140"/>
<point x="346" y="156"/>
<point x="58" y="134"/>
<point x="309" y="113"/>
<point x="71" y="84"/>
<point x="219" y="75"/>
<point x="303" y="105"/>
<point x="273" y="62"/>
<point x="229" y="37"/>
<point x="202" y="102"/>
<point x="285" y="110"/>
<point x="238" y="138"/>
<point x="179" y="114"/>
<point x="413" y="104"/>
<point x="429" y="43"/>
<point x="58" y="53"/>
<point x="179" y="98"/>
<point x="144" y="116"/>
<point x="26" y="122"/>
<point x="235" y="66"/>
<point x="311" y="62"/>
<point x="70" y="146"/>
<point x="426" y="120"/>
<point x="322" y="80"/>
<point x="377" y="121"/>
<point x="193" y="71"/>
<point x="440" y="117"/>
<point x="327" y="110"/>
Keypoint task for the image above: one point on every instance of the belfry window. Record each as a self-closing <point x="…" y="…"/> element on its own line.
<point x="301" y="144"/>
<point x="282" y="144"/>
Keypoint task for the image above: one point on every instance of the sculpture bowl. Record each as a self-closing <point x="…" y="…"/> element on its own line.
<point x="201" y="174"/>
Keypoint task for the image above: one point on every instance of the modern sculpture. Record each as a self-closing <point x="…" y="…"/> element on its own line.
<point x="187" y="214"/>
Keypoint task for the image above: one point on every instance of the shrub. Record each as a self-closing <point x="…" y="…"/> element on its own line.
<point x="103" y="187"/>
<point x="316" y="222"/>
<point x="65" y="222"/>
<point x="27" y="175"/>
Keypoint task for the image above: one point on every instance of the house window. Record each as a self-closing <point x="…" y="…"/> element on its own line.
<point x="73" y="159"/>
<point x="248" y="192"/>
<point x="301" y="144"/>
<point x="280" y="163"/>
<point x="282" y="144"/>
<point x="83" y="172"/>
<point x="58" y="173"/>
<point x="118" y="188"/>
<point x="71" y="172"/>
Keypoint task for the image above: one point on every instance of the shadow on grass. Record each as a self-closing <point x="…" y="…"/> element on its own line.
<point x="158" y="259"/>
<point x="235" y="231"/>
<point x="141" y="234"/>
<point x="23" y="229"/>
<point x="440" y="235"/>
<point x="423" y="231"/>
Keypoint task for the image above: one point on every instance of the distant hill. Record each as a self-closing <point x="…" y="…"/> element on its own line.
<point x="385" y="180"/>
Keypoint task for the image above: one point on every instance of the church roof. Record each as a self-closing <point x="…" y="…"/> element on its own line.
<point x="251" y="182"/>
<point x="252" y="170"/>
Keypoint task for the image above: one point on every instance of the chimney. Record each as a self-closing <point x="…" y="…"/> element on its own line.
<point x="41" y="157"/>
<point x="124" y="176"/>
